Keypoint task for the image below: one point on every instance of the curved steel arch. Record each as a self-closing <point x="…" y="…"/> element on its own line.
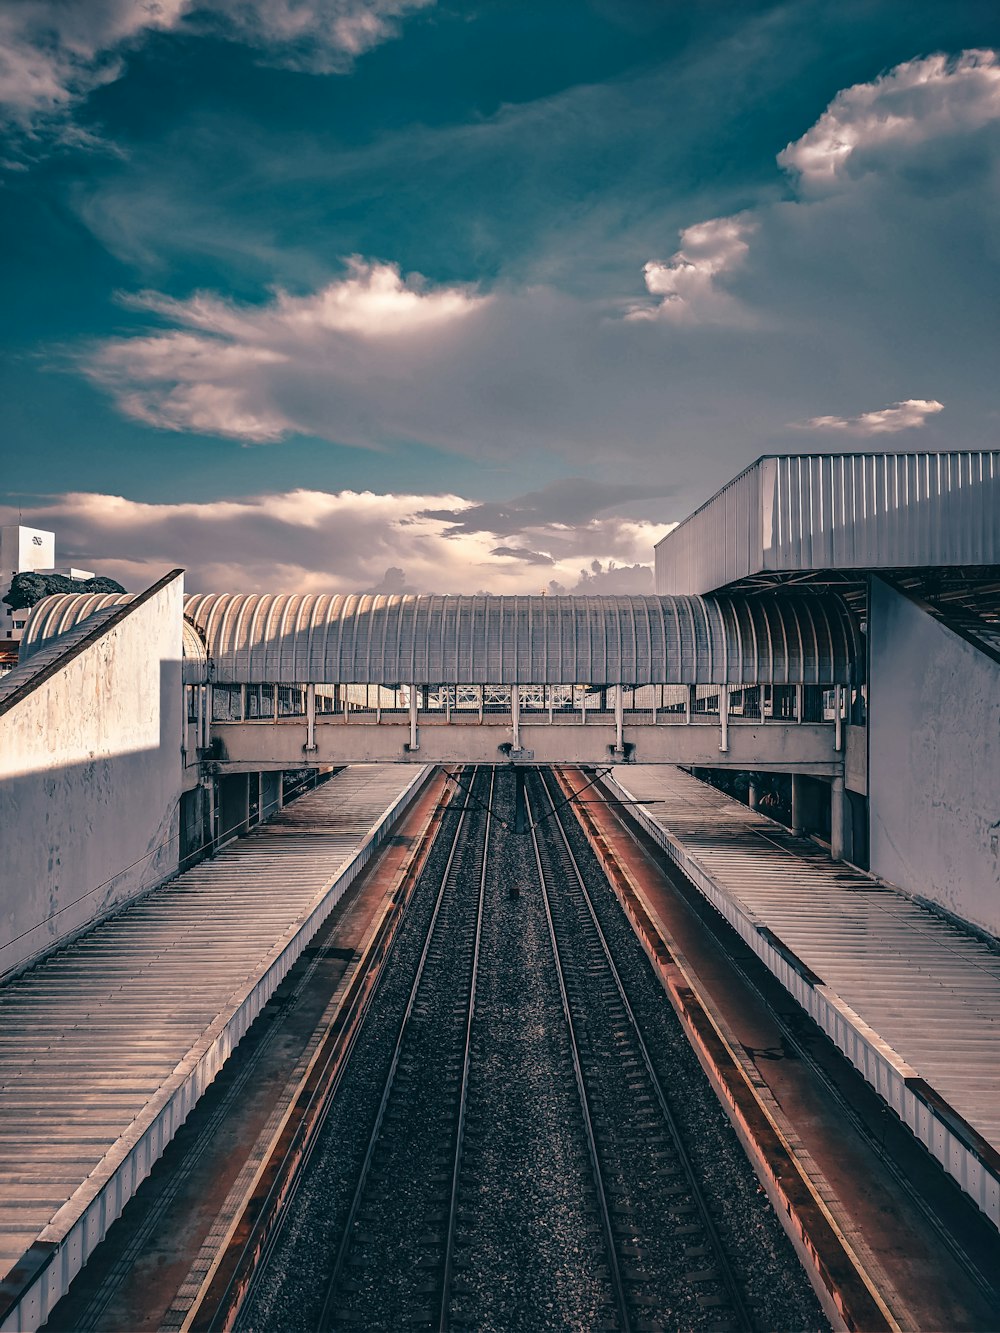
<point x="389" y="640"/>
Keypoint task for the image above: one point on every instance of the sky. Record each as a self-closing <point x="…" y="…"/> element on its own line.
<point x="405" y="295"/>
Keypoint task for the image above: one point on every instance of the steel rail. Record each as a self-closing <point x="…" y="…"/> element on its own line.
<point x="727" y="1275"/>
<point x="873" y="1136"/>
<point x="449" y="1251"/>
<point x="334" y="1281"/>
<point x="322" y="1095"/>
<point x="614" y="1267"/>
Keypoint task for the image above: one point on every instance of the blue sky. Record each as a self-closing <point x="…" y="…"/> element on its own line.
<point x="345" y="294"/>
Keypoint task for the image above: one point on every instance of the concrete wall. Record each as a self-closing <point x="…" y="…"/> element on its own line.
<point x="934" y="747"/>
<point x="775" y="746"/>
<point x="90" y="776"/>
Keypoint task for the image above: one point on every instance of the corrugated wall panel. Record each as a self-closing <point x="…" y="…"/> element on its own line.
<point x="838" y="511"/>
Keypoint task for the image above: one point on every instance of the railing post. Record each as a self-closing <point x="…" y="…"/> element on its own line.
<point x="414" y="705"/>
<point x="515" y="714"/>
<point x="310" y="717"/>
<point x="619" y="718"/>
<point x="724" y="718"/>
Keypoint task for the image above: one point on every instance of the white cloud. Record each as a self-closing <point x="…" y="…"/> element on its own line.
<point x="915" y="101"/>
<point x="53" y="53"/>
<point x="907" y="415"/>
<point x="317" y="541"/>
<point x="210" y="376"/>
<point x="687" y="282"/>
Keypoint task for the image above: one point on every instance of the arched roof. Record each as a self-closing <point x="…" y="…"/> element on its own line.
<point x="388" y="640"/>
<point x="57" y="615"/>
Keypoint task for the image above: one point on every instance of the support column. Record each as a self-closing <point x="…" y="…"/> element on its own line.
<point x="689" y="703"/>
<point x="800" y="698"/>
<point x="481" y="690"/>
<point x="310" y="717"/>
<point x="414" y="706"/>
<point x="724" y="718"/>
<point x="798" y="809"/>
<point x="837" y="804"/>
<point x="838" y="709"/>
<point x="274" y="704"/>
<point x="515" y="714"/>
<point x="753" y="795"/>
<point x="619" y="718"/>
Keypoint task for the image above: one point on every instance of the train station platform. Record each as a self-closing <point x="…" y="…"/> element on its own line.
<point x="910" y="998"/>
<point x="106" y="1046"/>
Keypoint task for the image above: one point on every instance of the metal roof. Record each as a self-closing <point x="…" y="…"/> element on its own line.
<point x="387" y="640"/>
<point x="115" y="1036"/>
<point x="857" y="511"/>
<point x="61" y="613"/>
<point x="900" y="975"/>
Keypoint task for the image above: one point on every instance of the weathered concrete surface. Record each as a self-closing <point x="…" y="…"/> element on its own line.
<point x="778" y="746"/>
<point x="935" y="761"/>
<point x="90" y="775"/>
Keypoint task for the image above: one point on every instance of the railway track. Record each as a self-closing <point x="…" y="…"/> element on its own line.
<point x="666" y="1259"/>
<point x="420" y="1117"/>
<point x="502" y="1153"/>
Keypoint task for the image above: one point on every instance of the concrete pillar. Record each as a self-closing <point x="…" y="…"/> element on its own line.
<point x="724" y="719"/>
<point x="515" y="714"/>
<point x="619" y="718"/>
<point x="838" y="719"/>
<point x="690" y="701"/>
<point x="414" y="705"/>
<point x="837" y="805"/>
<point x="310" y="717"/>
<point x="798" y="809"/>
<point x="754" y="795"/>
<point x="799" y="702"/>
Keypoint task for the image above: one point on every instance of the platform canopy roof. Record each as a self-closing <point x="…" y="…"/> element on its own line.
<point x="427" y="640"/>
<point x="55" y="616"/>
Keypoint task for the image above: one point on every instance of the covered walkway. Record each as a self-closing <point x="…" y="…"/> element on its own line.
<point x="107" y="1045"/>
<point x="911" y="999"/>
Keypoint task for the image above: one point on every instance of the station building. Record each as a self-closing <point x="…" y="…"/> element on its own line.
<point x="826" y="624"/>
<point x="911" y="542"/>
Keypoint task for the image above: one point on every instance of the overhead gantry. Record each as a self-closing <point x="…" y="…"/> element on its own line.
<point x="276" y="681"/>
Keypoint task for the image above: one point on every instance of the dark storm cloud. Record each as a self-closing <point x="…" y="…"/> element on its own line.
<point x="571" y="501"/>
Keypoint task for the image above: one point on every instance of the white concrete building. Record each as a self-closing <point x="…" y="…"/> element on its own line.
<point x="27" y="550"/>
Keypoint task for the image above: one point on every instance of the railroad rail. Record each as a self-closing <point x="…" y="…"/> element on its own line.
<point x="418" y="1099"/>
<point x="666" y="1258"/>
<point x="501" y="1152"/>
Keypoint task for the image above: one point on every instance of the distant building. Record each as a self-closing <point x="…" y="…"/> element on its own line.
<point x="26" y="550"/>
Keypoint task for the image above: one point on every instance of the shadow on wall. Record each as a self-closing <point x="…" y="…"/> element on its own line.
<point x="90" y="778"/>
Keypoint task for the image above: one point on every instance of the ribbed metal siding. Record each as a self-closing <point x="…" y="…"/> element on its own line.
<point x="839" y="511"/>
<point x="264" y="637"/>
<point x="57" y="615"/>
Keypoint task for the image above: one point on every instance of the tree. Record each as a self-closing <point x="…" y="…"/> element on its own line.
<point x="28" y="588"/>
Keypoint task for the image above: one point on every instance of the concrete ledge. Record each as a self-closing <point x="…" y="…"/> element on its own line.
<point x="35" y="1285"/>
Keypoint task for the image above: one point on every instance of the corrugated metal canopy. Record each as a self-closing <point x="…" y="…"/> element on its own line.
<point x="264" y="637"/>
<point x="856" y="511"/>
<point x="57" y="615"/>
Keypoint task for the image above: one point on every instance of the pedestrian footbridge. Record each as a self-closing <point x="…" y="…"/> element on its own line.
<point x="275" y="681"/>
